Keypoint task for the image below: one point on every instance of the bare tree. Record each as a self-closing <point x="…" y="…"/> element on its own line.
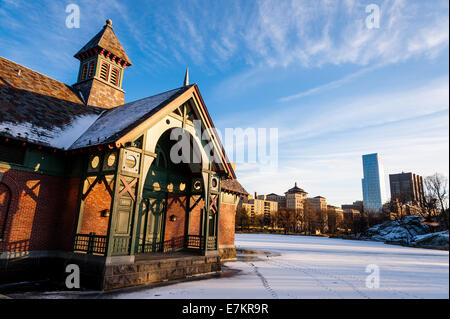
<point x="436" y="187"/>
<point x="242" y="218"/>
<point x="309" y="217"/>
<point x="286" y="219"/>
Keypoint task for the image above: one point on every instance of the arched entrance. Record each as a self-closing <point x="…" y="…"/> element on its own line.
<point x="163" y="218"/>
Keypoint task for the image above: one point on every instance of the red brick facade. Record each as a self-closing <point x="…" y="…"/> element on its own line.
<point x="195" y="218"/>
<point x="69" y="213"/>
<point x="96" y="201"/>
<point x="176" y="206"/>
<point x="36" y="211"/>
<point x="226" y="223"/>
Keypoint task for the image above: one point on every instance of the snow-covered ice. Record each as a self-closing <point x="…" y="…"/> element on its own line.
<point x="319" y="267"/>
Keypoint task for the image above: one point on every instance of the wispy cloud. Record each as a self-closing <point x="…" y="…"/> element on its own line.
<point x="322" y="32"/>
<point x="331" y="85"/>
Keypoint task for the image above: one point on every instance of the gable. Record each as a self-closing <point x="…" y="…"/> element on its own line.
<point x="197" y="110"/>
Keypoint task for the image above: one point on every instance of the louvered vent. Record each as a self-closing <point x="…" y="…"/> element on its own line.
<point x="114" y="76"/>
<point x="84" y="71"/>
<point x="91" y="69"/>
<point x="104" y="71"/>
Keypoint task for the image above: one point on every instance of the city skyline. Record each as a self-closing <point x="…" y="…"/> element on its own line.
<point x="334" y="88"/>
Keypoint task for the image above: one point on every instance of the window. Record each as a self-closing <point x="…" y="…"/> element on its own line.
<point x="104" y="71"/>
<point x="84" y="71"/>
<point x="110" y="73"/>
<point x="114" y="79"/>
<point x="91" y="69"/>
<point x="87" y="70"/>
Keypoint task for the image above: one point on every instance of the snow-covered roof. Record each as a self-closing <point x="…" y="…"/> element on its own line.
<point x="39" y="109"/>
<point x="116" y="122"/>
<point x="56" y="137"/>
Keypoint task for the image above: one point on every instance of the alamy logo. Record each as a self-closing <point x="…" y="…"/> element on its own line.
<point x="373" y="19"/>
<point x="73" y="19"/>
<point x="250" y="145"/>
<point x="73" y="279"/>
<point x="373" y="279"/>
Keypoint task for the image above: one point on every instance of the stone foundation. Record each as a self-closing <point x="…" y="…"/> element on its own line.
<point x="227" y="253"/>
<point x="151" y="271"/>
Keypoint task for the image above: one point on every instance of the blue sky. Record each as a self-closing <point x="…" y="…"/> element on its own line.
<point x="334" y="88"/>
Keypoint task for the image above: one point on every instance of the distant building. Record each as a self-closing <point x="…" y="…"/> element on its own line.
<point x="374" y="193"/>
<point x="295" y="198"/>
<point x="319" y="202"/>
<point x="357" y="205"/>
<point x="407" y="188"/>
<point x="335" y="218"/>
<point x="258" y="205"/>
<point x="280" y="199"/>
<point x="351" y="215"/>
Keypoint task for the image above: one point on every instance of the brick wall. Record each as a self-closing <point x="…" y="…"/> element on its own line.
<point x="226" y="223"/>
<point x="34" y="210"/>
<point x="100" y="94"/>
<point x="69" y="214"/>
<point x="97" y="200"/>
<point x="195" y="218"/>
<point x="176" y="205"/>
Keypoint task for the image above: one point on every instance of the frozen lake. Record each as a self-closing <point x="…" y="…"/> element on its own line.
<point x="319" y="268"/>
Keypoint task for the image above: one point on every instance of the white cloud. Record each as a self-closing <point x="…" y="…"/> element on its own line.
<point x="321" y="32"/>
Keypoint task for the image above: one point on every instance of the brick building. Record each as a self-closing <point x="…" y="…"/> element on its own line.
<point x="88" y="179"/>
<point x="259" y="205"/>
<point x="295" y="198"/>
<point x="357" y="205"/>
<point x="319" y="202"/>
<point x="407" y="188"/>
<point x="292" y="199"/>
<point x="335" y="218"/>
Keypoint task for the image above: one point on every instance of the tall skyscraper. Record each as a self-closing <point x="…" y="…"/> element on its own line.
<point x="374" y="190"/>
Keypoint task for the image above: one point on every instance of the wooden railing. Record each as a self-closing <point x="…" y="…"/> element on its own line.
<point x="194" y="242"/>
<point x="120" y="245"/>
<point x="90" y="244"/>
<point x="190" y="242"/>
<point x="211" y="243"/>
<point x="96" y="244"/>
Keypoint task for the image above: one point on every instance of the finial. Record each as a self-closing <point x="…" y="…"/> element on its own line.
<point x="109" y="22"/>
<point x="186" y="77"/>
<point x="295" y="184"/>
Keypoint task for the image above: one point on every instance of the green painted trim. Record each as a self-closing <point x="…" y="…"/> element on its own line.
<point x="22" y="168"/>
<point x="218" y="214"/>
<point x="81" y="68"/>
<point x="139" y="190"/>
<point x="114" y="204"/>
<point x="206" y="230"/>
